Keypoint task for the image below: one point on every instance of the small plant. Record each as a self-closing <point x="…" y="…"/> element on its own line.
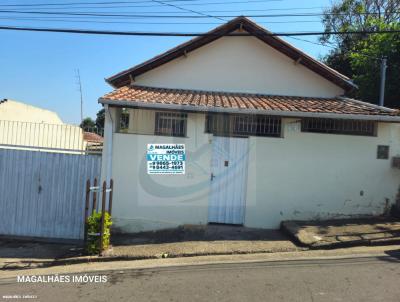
<point x="93" y="244"/>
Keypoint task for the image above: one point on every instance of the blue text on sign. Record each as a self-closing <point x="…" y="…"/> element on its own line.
<point x="166" y="157"/>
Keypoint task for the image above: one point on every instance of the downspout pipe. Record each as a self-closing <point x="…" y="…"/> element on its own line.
<point x="108" y="138"/>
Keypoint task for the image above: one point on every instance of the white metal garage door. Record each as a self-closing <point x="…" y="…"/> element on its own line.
<point x="228" y="180"/>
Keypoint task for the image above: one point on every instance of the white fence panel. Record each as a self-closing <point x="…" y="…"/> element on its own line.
<point x="42" y="194"/>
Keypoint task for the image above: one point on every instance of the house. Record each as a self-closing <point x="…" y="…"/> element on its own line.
<point x="250" y="131"/>
<point x="11" y="110"/>
<point x="27" y="126"/>
<point x="94" y="141"/>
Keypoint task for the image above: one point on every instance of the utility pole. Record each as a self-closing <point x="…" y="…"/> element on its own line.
<point x="383" y="80"/>
<point x="79" y="83"/>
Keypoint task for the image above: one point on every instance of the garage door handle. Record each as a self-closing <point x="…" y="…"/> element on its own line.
<point x="212" y="176"/>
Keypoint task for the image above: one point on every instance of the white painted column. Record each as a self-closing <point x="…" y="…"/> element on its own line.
<point x="108" y="143"/>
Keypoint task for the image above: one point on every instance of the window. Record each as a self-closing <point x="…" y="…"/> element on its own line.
<point x="243" y="125"/>
<point x="170" y="124"/>
<point x="124" y="120"/>
<point x="338" y="126"/>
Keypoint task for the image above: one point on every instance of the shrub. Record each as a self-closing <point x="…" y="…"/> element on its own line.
<point x="94" y="230"/>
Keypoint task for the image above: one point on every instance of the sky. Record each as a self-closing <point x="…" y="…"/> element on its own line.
<point x="40" y="68"/>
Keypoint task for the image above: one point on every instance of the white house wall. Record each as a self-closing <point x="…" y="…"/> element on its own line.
<point x="147" y="202"/>
<point x="310" y="176"/>
<point x="240" y="64"/>
<point x="299" y="176"/>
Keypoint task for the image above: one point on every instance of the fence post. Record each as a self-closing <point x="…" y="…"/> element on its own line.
<point x="110" y="197"/>
<point x="95" y="196"/>
<point x="103" y="211"/>
<point x="86" y="209"/>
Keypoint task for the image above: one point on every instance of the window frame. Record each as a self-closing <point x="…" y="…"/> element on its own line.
<point x="171" y="116"/>
<point x="364" y="127"/>
<point x="234" y="125"/>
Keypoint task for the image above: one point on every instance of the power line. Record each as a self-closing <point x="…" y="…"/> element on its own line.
<point x="103" y="3"/>
<point x="311" y="42"/>
<point x="185" y="9"/>
<point x="96" y="21"/>
<point x="178" y="16"/>
<point x="187" y="3"/>
<point x="181" y="8"/>
<point x="181" y="34"/>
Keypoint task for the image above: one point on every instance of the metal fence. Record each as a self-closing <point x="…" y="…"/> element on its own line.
<point x="43" y="136"/>
<point x="42" y="194"/>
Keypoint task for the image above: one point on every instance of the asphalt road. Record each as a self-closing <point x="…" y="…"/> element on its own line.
<point x="354" y="279"/>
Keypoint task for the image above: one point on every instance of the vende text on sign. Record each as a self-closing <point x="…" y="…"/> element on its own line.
<point x="166" y="158"/>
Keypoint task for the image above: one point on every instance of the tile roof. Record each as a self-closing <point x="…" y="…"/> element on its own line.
<point x="92" y="137"/>
<point x="208" y="100"/>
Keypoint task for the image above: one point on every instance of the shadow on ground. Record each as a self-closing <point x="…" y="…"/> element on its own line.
<point x="212" y="232"/>
<point x="344" y="232"/>
<point x="29" y="249"/>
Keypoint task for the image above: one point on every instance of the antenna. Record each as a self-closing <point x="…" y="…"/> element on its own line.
<point x="79" y="83"/>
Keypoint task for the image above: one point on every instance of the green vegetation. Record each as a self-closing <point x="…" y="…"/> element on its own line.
<point x="359" y="55"/>
<point x="93" y="244"/>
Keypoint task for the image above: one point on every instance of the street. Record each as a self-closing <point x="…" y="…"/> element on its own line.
<point x="350" y="279"/>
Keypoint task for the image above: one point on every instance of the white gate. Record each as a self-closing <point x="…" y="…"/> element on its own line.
<point x="228" y="180"/>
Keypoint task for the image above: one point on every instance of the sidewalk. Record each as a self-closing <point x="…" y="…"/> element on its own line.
<point x="191" y="240"/>
<point x="184" y="241"/>
<point x="211" y="240"/>
<point x="344" y="232"/>
<point x="386" y="253"/>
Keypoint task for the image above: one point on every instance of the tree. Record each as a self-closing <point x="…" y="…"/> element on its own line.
<point x="365" y="62"/>
<point x="88" y="124"/>
<point x="100" y="117"/>
<point x="360" y="15"/>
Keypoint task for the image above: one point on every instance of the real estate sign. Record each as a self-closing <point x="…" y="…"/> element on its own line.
<point x="166" y="158"/>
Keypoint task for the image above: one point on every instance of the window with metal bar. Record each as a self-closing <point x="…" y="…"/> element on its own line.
<point x="124" y="120"/>
<point x="171" y="124"/>
<point x="339" y="126"/>
<point x="243" y="125"/>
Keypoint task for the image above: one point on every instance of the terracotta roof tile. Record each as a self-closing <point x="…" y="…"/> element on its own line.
<point x="221" y="100"/>
<point x="92" y="137"/>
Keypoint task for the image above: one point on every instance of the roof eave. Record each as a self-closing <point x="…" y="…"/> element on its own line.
<point x="295" y="114"/>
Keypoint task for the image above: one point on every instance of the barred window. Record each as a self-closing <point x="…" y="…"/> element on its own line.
<point x="124" y="120"/>
<point x="339" y="126"/>
<point x="170" y="124"/>
<point x="243" y="125"/>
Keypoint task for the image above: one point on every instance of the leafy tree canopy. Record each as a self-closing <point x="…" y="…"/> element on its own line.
<point x="359" y="55"/>
<point x="87" y="124"/>
<point x="100" y="117"/>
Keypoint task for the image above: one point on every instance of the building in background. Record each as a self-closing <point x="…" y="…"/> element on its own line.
<point x="26" y="126"/>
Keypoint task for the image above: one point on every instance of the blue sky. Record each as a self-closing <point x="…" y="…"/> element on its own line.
<point x="40" y="68"/>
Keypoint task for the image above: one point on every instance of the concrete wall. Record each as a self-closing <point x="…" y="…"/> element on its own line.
<point x="319" y="176"/>
<point x="240" y="64"/>
<point x="25" y="125"/>
<point x="299" y="176"/>
<point x="16" y="111"/>
<point x="146" y="202"/>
